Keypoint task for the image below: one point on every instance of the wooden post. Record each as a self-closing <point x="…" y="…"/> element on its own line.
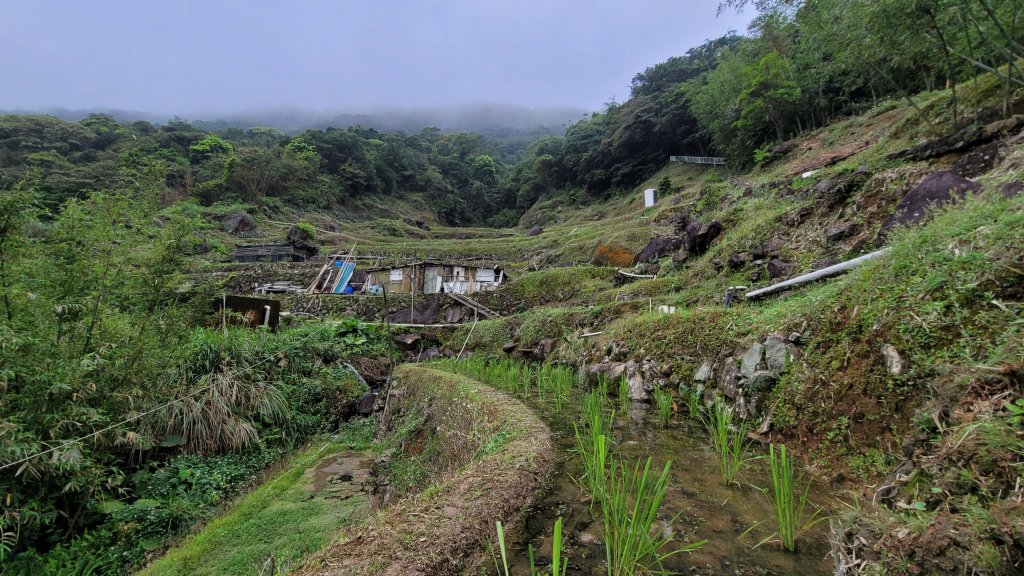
<point x="412" y="303"/>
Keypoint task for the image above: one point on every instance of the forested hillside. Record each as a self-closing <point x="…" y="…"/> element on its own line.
<point x="130" y="414"/>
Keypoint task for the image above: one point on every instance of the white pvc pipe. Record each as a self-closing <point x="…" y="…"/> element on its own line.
<point x="811" y="276"/>
<point x="266" y="315"/>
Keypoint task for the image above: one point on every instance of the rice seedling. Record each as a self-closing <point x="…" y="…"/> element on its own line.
<point x="693" y="406"/>
<point x="602" y="386"/>
<point x="592" y="445"/>
<point x="790" y="508"/>
<point x="556" y="382"/>
<point x="728" y="438"/>
<point x="558" y="564"/>
<point x="629" y="508"/>
<point x="623" y="393"/>
<point x="666" y="408"/>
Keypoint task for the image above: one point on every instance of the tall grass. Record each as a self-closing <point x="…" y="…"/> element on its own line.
<point x="790" y="508"/>
<point x="728" y="438"/>
<point x="558" y="564"/>
<point x="666" y="407"/>
<point x="629" y="508"/>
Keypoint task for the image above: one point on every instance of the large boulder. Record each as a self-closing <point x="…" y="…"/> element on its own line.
<point x="838" y="231"/>
<point x="780" y="268"/>
<point x="751" y="359"/>
<point x="659" y="246"/>
<point x="776" y="353"/>
<point x="698" y="237"/>
<point x="367" y="404"/>
<point x="770" y="248"/>
<point x="300" y="237"/>
<point x="729" y="378"/>
<point x="611" y="371"/>
<point x="978" y="161"/>
<point x="238" y="223"/>
<point x="705" y="373"/>
<point x="535" y="231"/>
<point x="936" y="190"/>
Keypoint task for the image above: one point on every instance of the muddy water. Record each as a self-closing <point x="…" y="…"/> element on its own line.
<point x="701" y="506"/>
<point x="343" y="475"/>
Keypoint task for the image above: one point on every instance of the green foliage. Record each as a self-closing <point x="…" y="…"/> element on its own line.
<point x="285" y="518"/>
<point x="307" y="228"/>
<point x="99" y="339"/>
<point x="593" y="442"/>
<point x="664" y="187"/>
<point x="728" y="439"/>
<point x="558" y="565"/>
<point x="665" y="405"/>
<point x="1016" y="411"/>
<point x="629" y="508"/>
<point x="791" y="507"/>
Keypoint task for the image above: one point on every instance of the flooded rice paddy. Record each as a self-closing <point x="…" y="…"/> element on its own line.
<point x="697" y="505"/>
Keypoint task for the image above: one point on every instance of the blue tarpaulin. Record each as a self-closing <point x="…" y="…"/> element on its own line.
<point x="343" y="278"/>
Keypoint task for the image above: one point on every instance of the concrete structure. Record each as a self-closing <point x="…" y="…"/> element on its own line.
<point x="650" y="196"/>
<point x="430" y="277"/>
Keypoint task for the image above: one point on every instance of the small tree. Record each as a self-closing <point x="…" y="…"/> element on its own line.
<point x="664" y="187"/>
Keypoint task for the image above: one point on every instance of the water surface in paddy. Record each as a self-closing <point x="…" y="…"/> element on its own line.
<point x="701" y="505"/>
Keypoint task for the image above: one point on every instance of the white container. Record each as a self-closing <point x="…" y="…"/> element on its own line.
<point x="649" y="197"/>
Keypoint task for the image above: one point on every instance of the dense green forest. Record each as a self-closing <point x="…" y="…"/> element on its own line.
<point x="102" y="319"/>
<point x="803" y="66"/>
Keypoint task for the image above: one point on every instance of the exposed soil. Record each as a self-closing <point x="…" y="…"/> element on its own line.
<point x="343" y="475"/>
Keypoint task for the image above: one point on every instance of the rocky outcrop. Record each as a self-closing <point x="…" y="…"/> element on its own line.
<point x="780" y="268"/>
<point x="535" y="231"/>
<point x="698" y="237"/>
<point x="838" y="231"/>
<point x="658" y="247"/>
<point x="238" y="223"/>
<point x="978" y="161"/>
<point x="936" y="190"/>
<point x="770" y="248"/>
<point x="962" y="140"/>
<point x="747" y="378"/>
<point x="643" y="376"/>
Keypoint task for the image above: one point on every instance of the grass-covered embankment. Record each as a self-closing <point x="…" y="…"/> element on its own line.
<point x="482" y="456"/>
<point x="282" y="520"/>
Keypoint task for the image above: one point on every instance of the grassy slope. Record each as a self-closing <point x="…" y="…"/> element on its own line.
<point x="284" y="518"/>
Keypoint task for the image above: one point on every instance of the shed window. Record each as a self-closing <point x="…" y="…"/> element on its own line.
<point x="485" y="275"/>
<point x="396" y="275"/>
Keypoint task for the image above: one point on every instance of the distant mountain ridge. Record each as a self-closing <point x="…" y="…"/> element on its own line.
<point x="492" y="119"/>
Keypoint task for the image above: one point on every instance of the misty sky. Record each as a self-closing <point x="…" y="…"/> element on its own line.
<point x="221" y="56"/>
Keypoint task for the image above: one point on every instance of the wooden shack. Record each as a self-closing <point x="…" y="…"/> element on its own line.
<point x="436" y="277"/>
